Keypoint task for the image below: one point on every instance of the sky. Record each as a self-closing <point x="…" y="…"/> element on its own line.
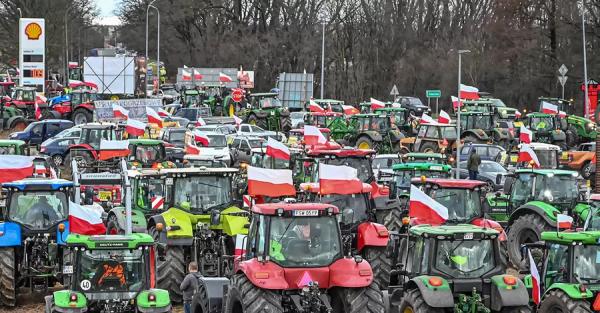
<point x="107" y="7"/>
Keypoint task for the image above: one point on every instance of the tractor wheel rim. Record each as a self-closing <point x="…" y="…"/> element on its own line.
<point x="408" y="310"/>
<point x="231" y="110"/>
<point x="364" y="146"/>
<point x="80" y="119"/>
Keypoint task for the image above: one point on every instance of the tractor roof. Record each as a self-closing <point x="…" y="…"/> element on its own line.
<point x="389" y="109"/>
<point x="467" y="113"/>
<point x="327" y="101"/>
<point x="540" y="114"/>
<point x="10" y="142"/>
<point x="451" y="230"/>
<point x="480" y="101"/>
<point x="301" y="130"/>
<point x="344" y="152"/>
<point x="546" y="172"/>
<point x="38" y="184"/>
<point x="421" y="166"/>
<point x="315" y="188"/>
<point x="145" y="142"/>
<point x="264" y="94"/>
<point x="192" y="92"/>
<point x="272" y="208"/>
<point x="183" y="172"/>
<point x="424" y="155"/>
<point x="110" y="242"/>
<point x="450" y="183"/>
<point x="326" y="113"/>
<point x="567" y="237"/>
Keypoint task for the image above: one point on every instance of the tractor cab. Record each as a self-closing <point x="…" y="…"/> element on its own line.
<point x="77" y="105"/>
<point x="87" y="151"/>
<point x="359" y="159"/>
<point x="191" y="97"/>
<point x="91" y="134"/>
<point x="24" y="99"/>
<point x="399" y="117"/>
<point x="296" y="139"/>
<point x="259" y="158"/>
<point x="403" y="174"/>
<point x="13" y="146"/>
<point x="371" y="131"/>
<point x="332" y="105"/>
<point x="474" y="126"/>
<point x="267" y="111"/>
<point x="547" y="128"/>
<point x="265" y="101"/>
<point x="578" y="129"/>
<point x="434" y="138"/>
<point x="321" y="119"/>
<point x="148" y="153"/>
<point x="548" y="155"/>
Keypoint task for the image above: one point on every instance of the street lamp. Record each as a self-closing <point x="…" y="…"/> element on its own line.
<point x="323" y="61"/>
<point x="460" y="53"/>
<point x="585" y="76"/>
<point x="147" y="9"/>
<point x="66" y="47"/>
<point x="157" y="47"/>
<point x="20" y="12"/>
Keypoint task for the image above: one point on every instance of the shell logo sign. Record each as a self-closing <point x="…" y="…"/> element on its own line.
<point x="33" y="31"/>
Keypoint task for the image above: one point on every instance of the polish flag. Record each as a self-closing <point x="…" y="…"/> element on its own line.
<point x="200" y="122"/>
<point x="40" y="99"/>
<point x="39" y="169"/>
<point x="224" y="78"/>
<point x="135" y="127"/>
<point x="350" y="110"/>
<point x="237" y="120"/>
<point x="202" y="138"/>
<point x="269" y="182"/>
<point x="84" y="220"/>
<point x="456" y="102"/>
<point x="444" y="118"/>
<point x="525" y="135"/>
<point x="119" y="111"/>
<point x="153" y="117"/>
<point x="526" y="154"/>
<point x="424" y="209"/>
<point x="239" y="245"/>
<point x="564" y="221"/>
<point x="468" y="92"/>
<point x="15" y="167"/>
<point x="197" y="75"/>
<point x="426" y="119"/>
<point x="38" y="112"/>
<point x="192" y="149"/>
<point x="535" y="280"/>
<point x="186" y="75"/>
<point x="157" y="202"/>
<point x="562" y="114"/>
<point x="277" y="150"/>
<point x="517" y="114"/>
<point x="163" y="113"/>
<point x="74" y="83"/>
<point x="315" y="107"/>
<point x="338" y="179"/>
<point x="549" y="108"/>
<point x="313" y="136"/>
<point x="113" y="149"/>
<point x="376" y="104"/>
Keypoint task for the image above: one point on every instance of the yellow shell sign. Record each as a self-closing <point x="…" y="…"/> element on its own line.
<point x="33" y="31"/>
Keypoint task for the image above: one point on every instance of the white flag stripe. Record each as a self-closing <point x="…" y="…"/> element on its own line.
<point x="270" y="176"/>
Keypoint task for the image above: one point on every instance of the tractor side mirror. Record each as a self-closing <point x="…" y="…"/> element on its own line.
<point x="215" y="217"/>
<point x="393" y="190"/>
<point x="499" y="179"/>
<point x="508" y="182"/>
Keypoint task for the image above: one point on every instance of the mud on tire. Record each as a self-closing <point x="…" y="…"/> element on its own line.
<point x="413" y="302"/>
<point x="244" y="297"/>
<point x="358" y="300"/>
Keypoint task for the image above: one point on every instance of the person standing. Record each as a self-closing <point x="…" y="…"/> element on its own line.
<point x="473" y="164"/>
<point x="189" y="285"/>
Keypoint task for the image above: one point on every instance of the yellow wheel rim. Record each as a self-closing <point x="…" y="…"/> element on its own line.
<point x="428" y="150"/>
<point x="114" y="97"/>
<point x="231" y="110"/>
<point x="408" y="310"/>
<point x="364" y="146"/>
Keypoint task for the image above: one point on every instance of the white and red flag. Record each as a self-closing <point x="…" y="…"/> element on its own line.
<point x="163" y="113"/>
<point x="15" y="167"/>
<point x="456" y="103"/>
<point x="468" y="92"/>
<point x="186" y="75"/>
<point x="425" y="210"/>
<point x="239" y="245"/>
<point x="376" y="104"/>
<point x="562" y="114"/>
<point x="153" y="116"/>
<point x="200" y="122"/>
<point x="315" y="107"/>
<point x="444" y="118"/>
<point x="526" y="154"/>
<point x="338" y="179"/>
<point x="426" y="119"/>
<point x="269" y="182"/>
<point x="38" y="112"/>
<point x="85" y="220"/>
<point x="313" y="136"/>
<point x="535" y="279"/>
<point x="113" y="149"/>
<point x="277" y="150"/>
<point x="525" y="135"/>
<point x="549" y="108"/>
<point x="119" y="111"/>
<point x="349" y="110"/>
<point x="224" y="78"/>
<point x="197" y="75"/>
<point x="564" y="221"/>
<point x="135" y="127"/>
<point x="201" y="138"/>
<point x="192" y="149"/>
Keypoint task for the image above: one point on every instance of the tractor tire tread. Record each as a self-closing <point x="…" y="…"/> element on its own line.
<point x="381" y="265"/>
<point x="252" y="298"/>
<point x="526" y="221"/>
<point x="8" y="296"/>
<point x="560" y="297"/>
<point x="414" y="299"/>
<point x="171" y="271"/>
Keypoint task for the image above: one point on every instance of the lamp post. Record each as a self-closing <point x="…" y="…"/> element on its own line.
<point x="323" y="61"/>
<point x="460" y="53"/>
<point x="67" y="47"/>
<point x="20" y="12"/>
<point x="157" y="47"/>
<point x="147" y="9"/>
<point x="585" y="76"/>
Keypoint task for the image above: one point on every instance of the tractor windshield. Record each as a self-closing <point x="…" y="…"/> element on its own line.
<point x="147" y="154"/>
<point x="39" y="210"/>
<point x="399" y="118"/>
<point x="304" y="241"/>
<point x="9" y="149"/>
<point x="476" y="121"/>
<point x="547" y="158"/>
<point x="542" y="123"/>
<point x="111" y="271"/>
<point x="362" y="165"/>
<point x="270" y="103"/>
<point x="586" y="265"/>
<point x="463" y="204"/>
<point x="465" y="258"/>
<point x="556" y="189"/>
<point x="448" y="132"/>
<point x="353" y="207"/>
<point x="203" y="192"/>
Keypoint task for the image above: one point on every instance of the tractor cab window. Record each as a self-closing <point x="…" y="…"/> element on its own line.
<point x="264" y="161"/>
<point x="147" y="153"/>
<point x="354" y="207"/>
<point x="521" y="190"/>
<point x="149" y="194"/>
<point x="547" y="158"/>
<point x="422" y="131"/>
<point x="432" y="132"/>
<point x="448" y="132"/>
<point x="270" y="103"/>
<point x="10" y="149"/>
<point x="24" y="95"/>
<point x="398" y="118"/>
<point x="94" y="136"/>
<point x="39" y="210"/>
<point x="476" y="121"/>
<point x="380" y="124"/>
<point x="557" y="264"/>
<point x="203" y="192"/>
<point x="542" y="123"/>
<point x="362" y="165"/>
<point x="556" y="189"/>
<point x="465" y="258"/>
<point x="111" y="271"/>
<point x="586" y="265"/>
<point x="463" y="204"/>
<point x="304" y="241"/>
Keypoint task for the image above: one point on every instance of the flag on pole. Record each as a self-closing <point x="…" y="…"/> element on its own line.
<point x="163" y="113"/>
<point x="38" y="112"/>
<point x="549" y="108"/>
<point x="15" y="167"/>
<point x="200" y="122"/>
<point x="277" y="150"/>
<point x="135" y="127"/>
<point x="202" y="138"/>
<point x="526" y="154"/>
<point x="535" y="279"/>
<point x="444" y="118"/>
<point x="426" y="119"/>
<point x="197" y="75"/>
<point x="313" y="136"/>
<point x="338" y="179"/>
<point x="425" y="210"/>
<point x="153" y="117"/>
<point x="119" y="111"/>
<point x="456" y="103"/>
<point x="224" y="78"/>
<point x="315" y="107"/>
<point x="186" y="75"/>
<point x="376" y="104"/>
<point x="525" y="135"/>
<point x="84" y="220"/>
<point x="269" y="182"/>
<point x="113" y="149"/>
<point x="564" y="221"/>
<point x="469" y="92"/>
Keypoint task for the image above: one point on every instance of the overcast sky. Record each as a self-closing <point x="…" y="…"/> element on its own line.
<point x="107" y="7"/>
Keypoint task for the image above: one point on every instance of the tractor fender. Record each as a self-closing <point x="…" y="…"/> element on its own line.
<point x="477" y="133"/>
<point x="233" y="221"/>
<point x="162" y="237"/>
<point x="211" y="300"/>
<point x="138" y="220"/>
<point x="84" y="146"/>
<point x="396" y="136"/>
<point x="435" y="297"/>
<point x="274" y="281"/>
<point x="261" y="114"/>
<point x="14" y="119"/>
<point x="63" y="304"/>
<point x="87" y="106"/>
<point x="372" y="235"/>
<point x="504" y="295"/>
<point x="178" y="224"/>
<point x="161" y="304"/>
<point x="11" y="234"/>
<point x="346" y="272"/>
<point x="558" y="135"/>
<point x="572" y="290"/>
<point x="374" y="136"/>
<point x="501" y="133"/>
<point x="540" y="208"/>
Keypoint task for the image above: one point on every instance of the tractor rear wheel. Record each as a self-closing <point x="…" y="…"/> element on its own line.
<point x="244" y="297"/>
<point x="365" y="143"/>
<point x="525" y="229"/>
<point x="429" y="147"/>
<point x="8" y="294"/>
<point x="413" y="302"/>
<point x="286" y="123"/>
<point x="381" y="265"/>
<point x="171" y="271"/>
<point x="82" y="116"/>
<point x="556" y="301"/>
<point x="391" y="219"/>
<point x="354" y="300"/>
<point x="572" y="136"/>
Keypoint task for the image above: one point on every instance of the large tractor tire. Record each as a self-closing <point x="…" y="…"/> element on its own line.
<point x="365" y="143"/>
<point x="429" y="147"/>
<point x="82" y="116"/>
<point x="171" y="272"/>
<point x="391" y="219"/>
<point x="18" y="125"/>
<point x="8" y="293"/>
<point x="381" y="265"/>
<point x="526" y="229"/>
<point x="572" y="136"/>
<point x="413" y="302"/>
<point x="286" y="123"/>
<point x="358" y="300"/>
<point x="244" y="297"/>
<point x="587" y="171"/>
<point x="471" y="138"/>
<point x="556" y="301"/>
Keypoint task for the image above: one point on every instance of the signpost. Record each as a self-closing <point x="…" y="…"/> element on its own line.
<point x="32" y="53"/>
<point x="436" y="94"/>
<point x="394" y="93"/>
<point x="562" y="78"/>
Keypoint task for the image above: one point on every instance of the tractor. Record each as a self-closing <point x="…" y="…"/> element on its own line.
<point x="24" y="100"/>
<point x="400" y="118"/>
<point x="578" y="129"/>
<point x="404" y="172"/>
<point x="13" y="146"/>
<point x="191" y="97"/>
<point x="432" y="138"/>
<point x="149" y="153"/>
<point x="293" y="262"/>
<point x="296" y="140"/>
<point x="547" y="128"/>
<point x="33" y="235"/>
<point x="490" y="105"/>
<point x="368" y="131"/>
<point x="87" y="151"/>
<point x="479" y="127"/>
<point x="11" y="118"/>
<point x="452" y="268"/>
<point x="322" y="119"/>
<point x="361" y="234"/>
<point x="121" y="269"/>
<point x="548" y="155"/>
<point x="266" y="111"/>
<point x="201" y="220"/>
<point x="330" y="105"/>
<point x="79" y="107"/>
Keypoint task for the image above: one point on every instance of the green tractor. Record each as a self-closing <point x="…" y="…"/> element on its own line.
<point x="480" y="127"/>
<point x="201" y="224"/>
<point x="490" y="105"/>
<point x="547" y="128"/>
<point x="11" y="118"/>
<point x="404" y="172"/>
<point x="116" y="268"/>
<point x="191" y="97"/>
<point x="400" y="118"/>
<point x="12" y="146"/>
<point x="422" y="157"/>
<point x="570" y="273"/>
<point x="452" y="269"/>
<point x="215" y="98"/>
<point x="149" y="153"/>
<point x="267" y="112"/>
<point x="578" y="129"/>
<point x="368" y="131"/>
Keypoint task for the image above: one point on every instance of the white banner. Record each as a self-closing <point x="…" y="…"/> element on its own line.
<point x="136" y="108"/>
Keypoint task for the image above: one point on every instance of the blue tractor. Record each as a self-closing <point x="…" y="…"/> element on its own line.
<point x="33" y="231"/>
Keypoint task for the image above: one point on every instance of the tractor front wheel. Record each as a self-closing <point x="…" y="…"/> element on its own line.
<point x="171" y="271"/>
<point x="526" y="229"/>
<point x="8" y="294"/>
<point x="286" y="123"/>
<point x="354" y="300"/>
<point x="245" y="297"/>
<point x="429" y="147"/>
<point x="391" y="218"/>
<point x="556" y="301"/>
<point x="572" y="136"/>
<point x="413" y="302"/>
<point x="365" y="143"/>
<point x="82" y="116"/>
<point x="381" y="265"/>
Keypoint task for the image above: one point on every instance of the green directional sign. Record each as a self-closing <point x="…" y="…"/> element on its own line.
<point x="433" y="93"/>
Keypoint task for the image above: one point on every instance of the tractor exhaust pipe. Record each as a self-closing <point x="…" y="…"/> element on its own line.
<point x="128" y="223"/>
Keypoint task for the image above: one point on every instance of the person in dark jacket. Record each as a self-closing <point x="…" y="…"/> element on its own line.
<point x="473" y="164"/>
<point x="189" y="285"/>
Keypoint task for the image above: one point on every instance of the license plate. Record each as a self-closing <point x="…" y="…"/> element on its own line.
<point x="306" y="213"/>
<point x="68" y="269"/>
<point x="436" y="168"/>
<point x="104" y="195"/>
<point x="468" y="236"/>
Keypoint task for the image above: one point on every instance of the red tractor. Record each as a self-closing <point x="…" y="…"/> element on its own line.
<point x="360" y="232"/>
<point x="293" y="262"/>
<point x="87" y="151"/>
<point x="79" y="107"/>
<point x="24" y="99"/>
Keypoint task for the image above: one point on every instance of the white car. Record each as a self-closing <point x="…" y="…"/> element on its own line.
<point x="255" y="131"/>
<point x="216" y="149"/>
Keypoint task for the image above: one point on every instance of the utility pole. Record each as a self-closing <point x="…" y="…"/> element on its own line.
<point x="460" y="52"/>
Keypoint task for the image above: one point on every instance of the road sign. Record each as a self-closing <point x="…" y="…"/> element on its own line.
<point x="562" y="70"/>
<point x="394" y="91"/>
<point x="433" y="93"/>
<point x="237" y="95"/>
<point x="562" y="80"/>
